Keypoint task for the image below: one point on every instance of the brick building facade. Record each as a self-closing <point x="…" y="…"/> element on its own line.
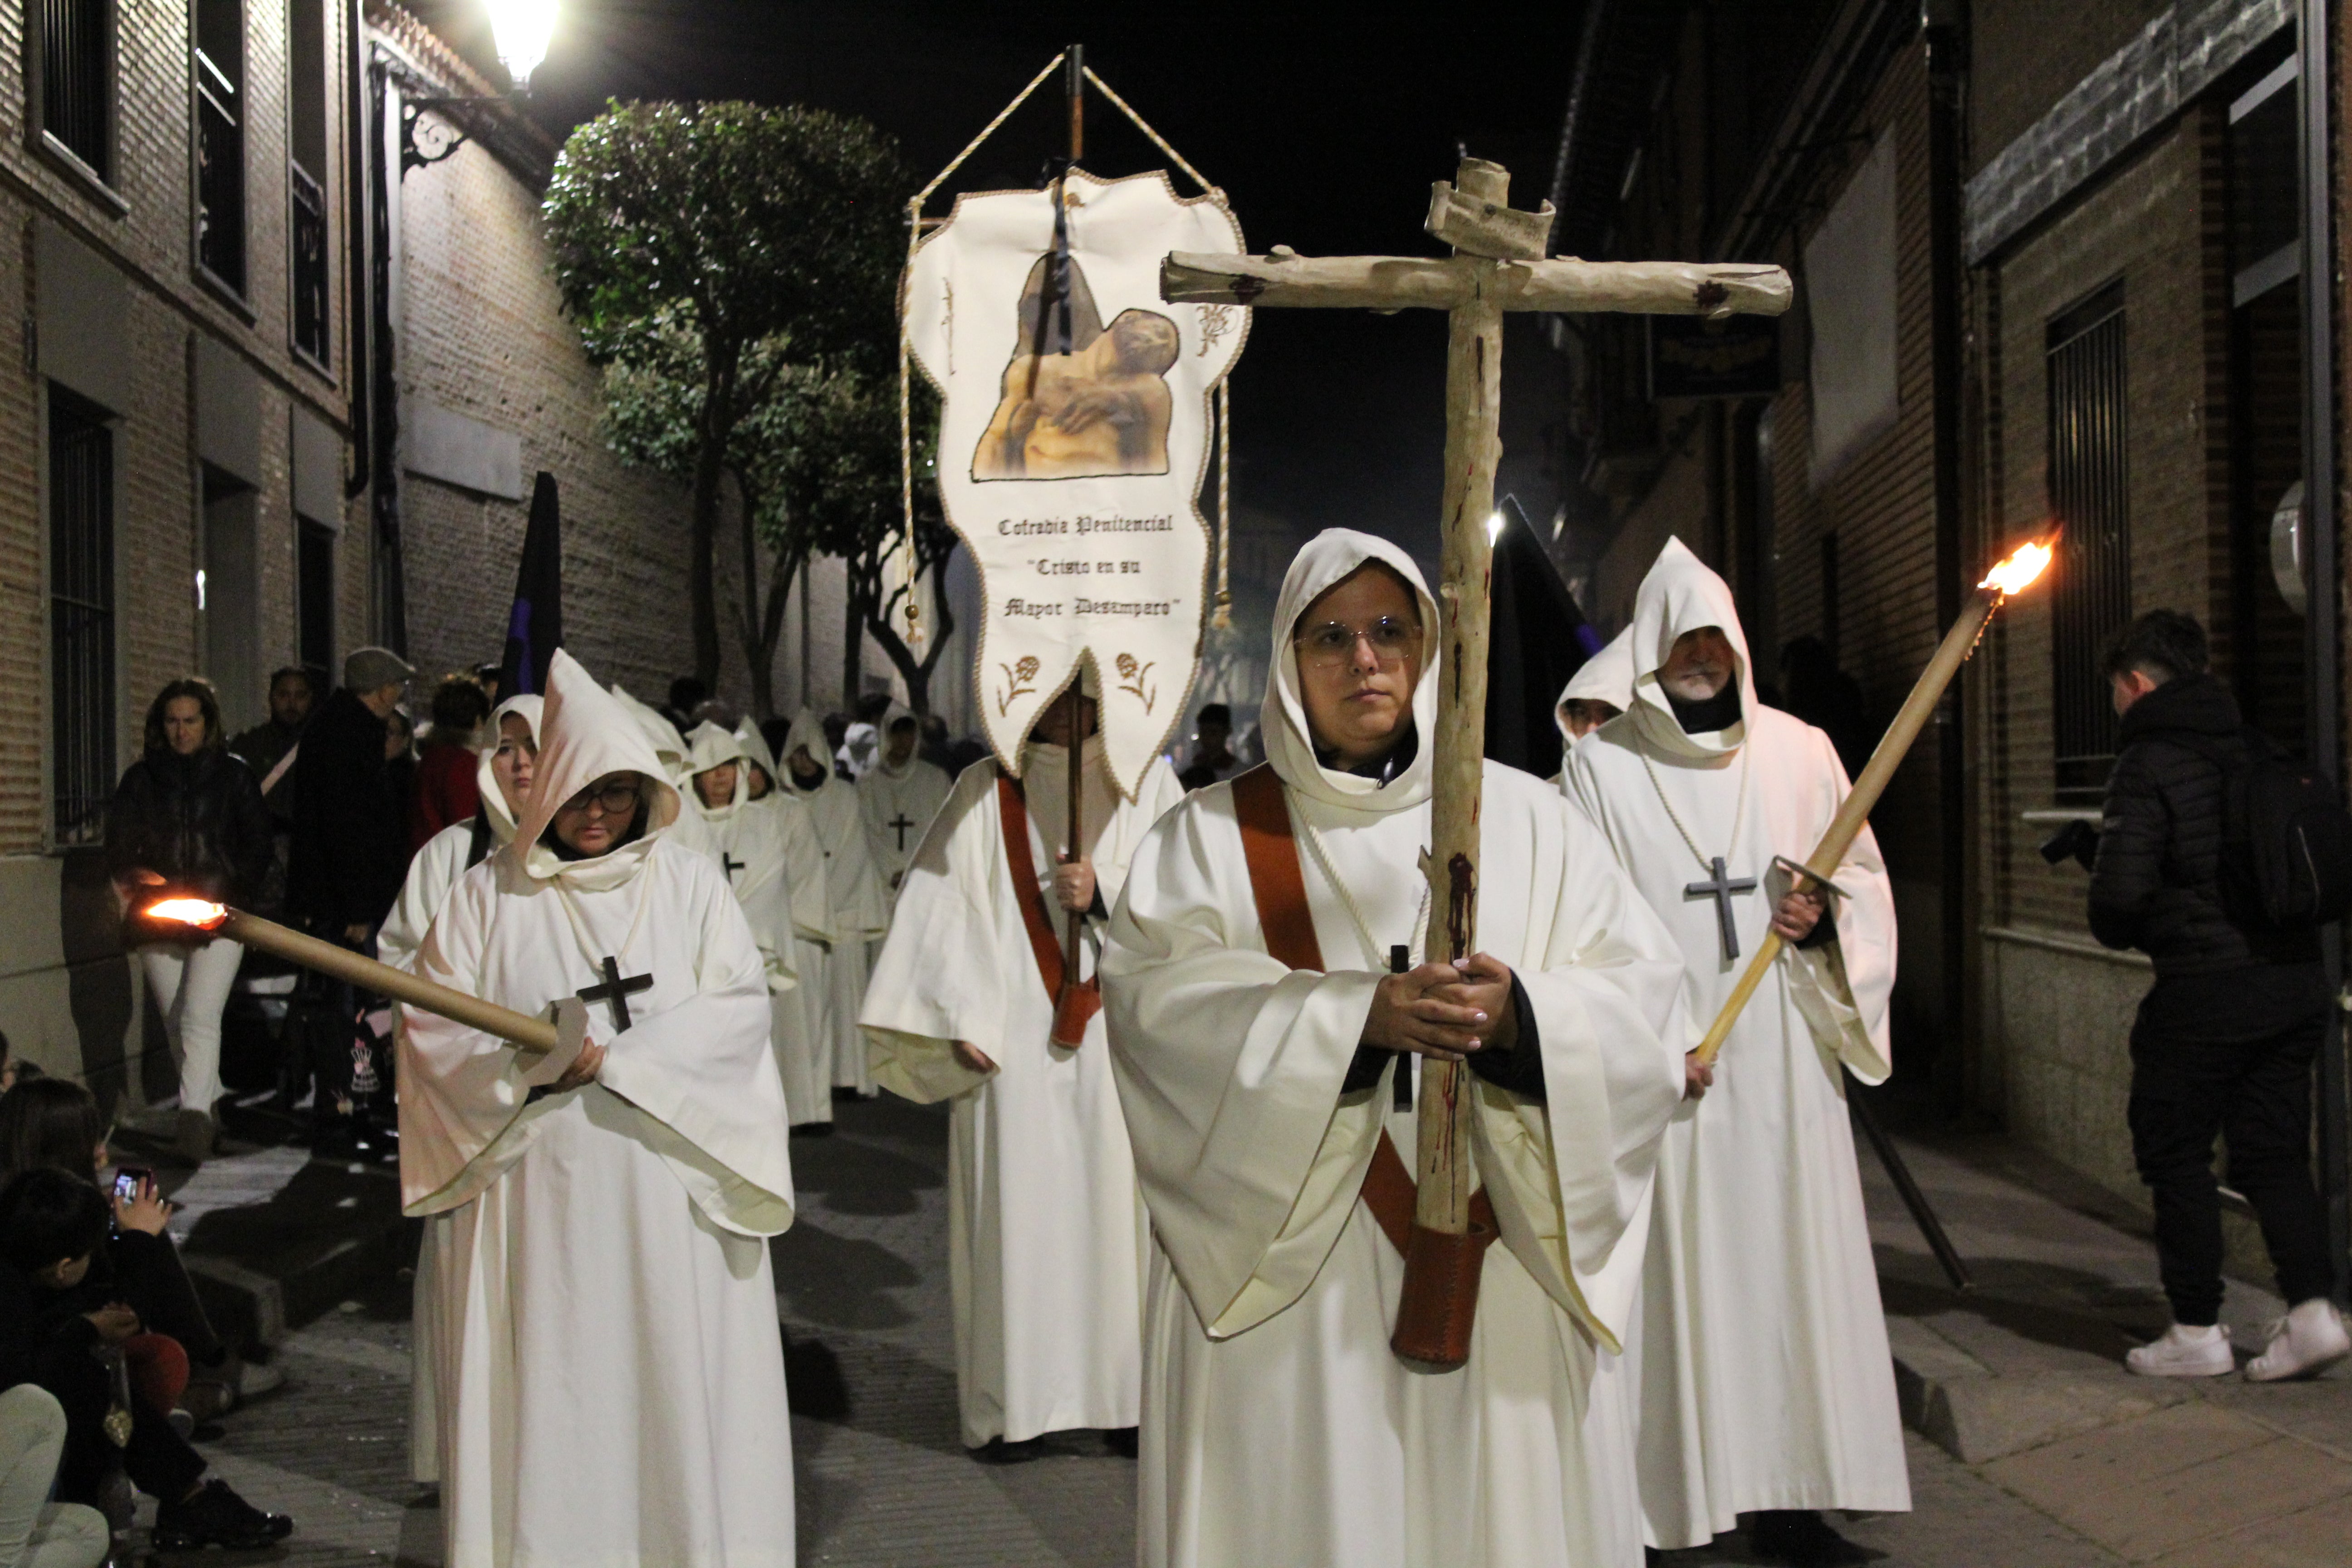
<point x="2080" y="225"/>
<point x="193" y="414"/>
<point x="172" y="413"/>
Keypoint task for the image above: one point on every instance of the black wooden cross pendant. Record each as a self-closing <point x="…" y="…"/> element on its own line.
<point x="616" y="992"/>
<point x="729" y="864"/>
<point x="1720" y="888"/>
<point x="902" y="821"/>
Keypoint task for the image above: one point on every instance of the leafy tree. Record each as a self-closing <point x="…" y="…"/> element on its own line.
<point x="710" y="253"/>
<point x="842" y="487"/>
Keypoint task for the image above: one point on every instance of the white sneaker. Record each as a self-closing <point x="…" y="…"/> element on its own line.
<point x="2309" y="1338"/>
<point x="2184" y="1352"/>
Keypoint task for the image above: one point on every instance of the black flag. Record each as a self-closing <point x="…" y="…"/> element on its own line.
<point x="1538" y="638"/>
<point x="535" y="625"/>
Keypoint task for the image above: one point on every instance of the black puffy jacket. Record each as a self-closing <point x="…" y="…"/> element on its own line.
<point x="197" y="821"/>
<point x="350" y="848"/>
<point x="2156" y="886"/>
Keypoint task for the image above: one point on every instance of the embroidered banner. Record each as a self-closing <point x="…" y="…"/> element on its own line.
<point x="1074" y="438"/>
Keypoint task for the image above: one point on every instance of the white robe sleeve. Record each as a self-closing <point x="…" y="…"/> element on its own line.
<point x="1844" y="987"/>
<point x="701" y="1069"/>
<point x="1570" y="1178"/>
<point x="861" y="908"/>
<point x="941" y="976"/>
<point x="705" y="1070"/>
<point x="430" y="875"/>
<point x="807" y="898"/>
<point x="1229" y="1066"/>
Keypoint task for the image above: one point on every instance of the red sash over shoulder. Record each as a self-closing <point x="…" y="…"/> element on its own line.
<point x="1280" y="889"/>
<point x="1074" y="1006"/>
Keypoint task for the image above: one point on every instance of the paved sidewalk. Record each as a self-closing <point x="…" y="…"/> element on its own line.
<point x="2044" y="1454"/>
<point x="2020" y="1379"/>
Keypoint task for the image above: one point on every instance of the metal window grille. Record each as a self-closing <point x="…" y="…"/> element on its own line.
<point x="77" y="36"/>
<point x="220" y="139"/>
<point x="309" y="239"/>
<point x="2091" y="595"/>
<point x="82" y="618"/>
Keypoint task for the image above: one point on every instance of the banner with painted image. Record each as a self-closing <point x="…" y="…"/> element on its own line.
<point x="1074" y="432"/>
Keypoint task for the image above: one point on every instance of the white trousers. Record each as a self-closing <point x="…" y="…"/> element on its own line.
<point x="191" y="986"/>
<point x="34" y="1532"/>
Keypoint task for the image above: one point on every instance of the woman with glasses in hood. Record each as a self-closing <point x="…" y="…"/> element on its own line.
<point x="616" y="1384"/>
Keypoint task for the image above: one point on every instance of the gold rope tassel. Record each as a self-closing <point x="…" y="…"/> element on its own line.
<point x="1224" y="619"/>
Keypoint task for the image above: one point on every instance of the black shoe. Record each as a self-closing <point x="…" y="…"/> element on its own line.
<point x="843" y="1094"/>
<point x="1124" y="1441"/>
<point x="997" y="1451"/>
<point x="813" y="1130"/>
<point x="1801" y="1538"/>
<point x="216" y="1516"/>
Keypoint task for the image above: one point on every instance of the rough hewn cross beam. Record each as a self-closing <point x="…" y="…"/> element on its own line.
<point x="1410" y="282"/>
<point x="1497" y="266"/>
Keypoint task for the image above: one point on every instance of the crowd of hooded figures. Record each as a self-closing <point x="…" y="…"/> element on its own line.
<point x="1174" y="1209"/>
<point x="1177" y="1205"/>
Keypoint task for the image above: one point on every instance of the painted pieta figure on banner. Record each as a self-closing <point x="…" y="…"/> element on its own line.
<point x="1075" y="428"/>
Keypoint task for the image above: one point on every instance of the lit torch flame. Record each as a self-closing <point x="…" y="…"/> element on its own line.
<point x="189" y="911"/>
<point x="2017" y="574"/>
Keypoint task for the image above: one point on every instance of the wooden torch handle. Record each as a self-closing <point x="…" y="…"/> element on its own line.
<point x="1847" y="825"/>
<point x="533" y="1035"/>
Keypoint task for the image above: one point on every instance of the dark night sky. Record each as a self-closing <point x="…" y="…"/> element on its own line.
<point x="1324" y="130"/>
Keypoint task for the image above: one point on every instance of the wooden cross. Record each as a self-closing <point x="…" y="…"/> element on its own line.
<point x="902" y="821"/>
<point x="1720" y="888"/>
<point x="1497" y="266"/>
<point x="729" y="864"/>
<point x="616" y="992"/>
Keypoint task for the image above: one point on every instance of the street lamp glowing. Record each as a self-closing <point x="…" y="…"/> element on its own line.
<point x="521" y="28"/>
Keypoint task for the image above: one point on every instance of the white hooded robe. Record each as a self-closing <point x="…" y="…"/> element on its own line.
<point x="1279" y="1425"/>
<point x="898" y="803"/>
<point x="432" y="875"/>
<point x="1045" y="1228"/>
<point x="618" y="1388"/>
<point x="772" y="860"/>
<point x="860" y="908"/>
<point x="1764" y="1379"/>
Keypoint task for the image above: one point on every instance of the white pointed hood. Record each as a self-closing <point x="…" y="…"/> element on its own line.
<point x="585" y="733"/>
<point x="755" y="751"/>
<point x="711" y="746"/>
<point x="658" y="731"/>
<point x="807" y="737"/>
<point x="1328" y="558"/>
<point x="1606" y="677"/>
<point x="1681" y="595"/>
<point x="891" y="715"/>
<point x="527" y="707"/>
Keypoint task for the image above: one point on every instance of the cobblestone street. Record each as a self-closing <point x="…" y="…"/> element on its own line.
<point x="862" y="1273"/>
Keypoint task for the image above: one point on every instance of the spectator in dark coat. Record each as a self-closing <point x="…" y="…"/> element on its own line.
<point x="446" y="790"/>
<point x="52" y="1226"/>
<point x="350" y="853"/>
<point x="264" y="745"/>
<point x="2225" y="1038"/>
<point x="187" y="820"/>
<point x="350" y="842"/>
